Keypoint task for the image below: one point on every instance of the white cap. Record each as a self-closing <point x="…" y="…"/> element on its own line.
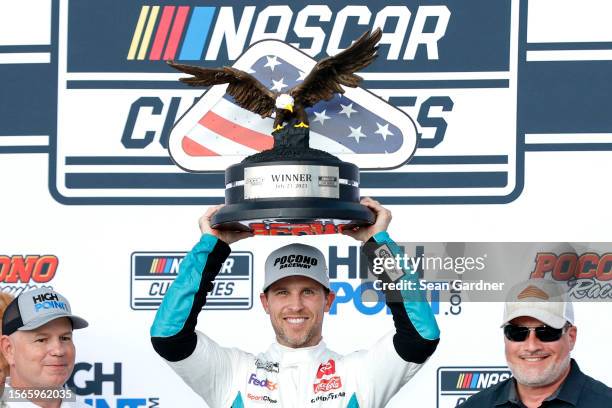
<point x="542" y="299"/>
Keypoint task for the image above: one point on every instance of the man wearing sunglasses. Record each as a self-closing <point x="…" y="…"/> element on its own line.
<point x="539" y="334"/>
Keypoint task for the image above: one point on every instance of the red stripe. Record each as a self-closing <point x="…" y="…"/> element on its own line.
<point x="177" y="32"/>
<point x="467" y="381"/>
<point x="235" y="132"/>
<point x="193" y="148"/>
<point x="161" y="266"/>
<point x="162" y="33"/>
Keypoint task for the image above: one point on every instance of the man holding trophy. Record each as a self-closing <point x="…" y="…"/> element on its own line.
<point x="298" y="369"/>
<point x="293" y="184"/>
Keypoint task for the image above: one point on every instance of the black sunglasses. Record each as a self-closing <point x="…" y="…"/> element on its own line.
<point x="543" y="333"/>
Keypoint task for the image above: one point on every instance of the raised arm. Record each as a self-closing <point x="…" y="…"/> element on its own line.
<point x="398" y="356"/>
<point x="204" y="366"/>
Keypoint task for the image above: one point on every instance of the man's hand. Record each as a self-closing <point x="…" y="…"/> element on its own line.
<point x="383" y="218"/>
<point x="229" y="237"/>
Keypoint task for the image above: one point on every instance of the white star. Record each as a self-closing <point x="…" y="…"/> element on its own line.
<point x="272" y="62"/>
<point x="356" y="133"/>
<point x="302" y="76"/>
<point x="321" y="116"/>
<point x="278" y="85"/>
<point x="347" y="110"/>
<point x="383" y="131"/>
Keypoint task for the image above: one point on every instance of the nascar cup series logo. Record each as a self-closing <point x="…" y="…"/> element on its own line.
<point x="453" y="71"/>
<point x="154" y="272"/>
<point x="457" y="384"/>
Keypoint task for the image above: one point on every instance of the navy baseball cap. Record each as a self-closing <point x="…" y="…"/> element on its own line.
<point x="35" y="308"/>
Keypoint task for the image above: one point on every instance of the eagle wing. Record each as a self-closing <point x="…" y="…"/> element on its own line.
<point x="328" y="74"/>
<point x="247" y="91"/>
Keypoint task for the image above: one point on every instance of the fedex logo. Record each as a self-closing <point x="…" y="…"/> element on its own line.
<point x="262" y="383"/>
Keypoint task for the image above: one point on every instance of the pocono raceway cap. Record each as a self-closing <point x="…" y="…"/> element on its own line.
<point x="35" y="308"/>
<point x="296" y="259"/>
<point x="542" y="299"/>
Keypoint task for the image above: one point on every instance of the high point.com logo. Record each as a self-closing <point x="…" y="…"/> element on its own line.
<point x="182" y="32"/>
<point x="88" y="379"/>
<point x="348" y="279"/>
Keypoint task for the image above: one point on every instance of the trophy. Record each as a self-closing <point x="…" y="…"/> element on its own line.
<point x="304" y="189"/>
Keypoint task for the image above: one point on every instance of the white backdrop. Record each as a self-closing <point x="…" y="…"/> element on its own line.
<point x="565" y="198"/>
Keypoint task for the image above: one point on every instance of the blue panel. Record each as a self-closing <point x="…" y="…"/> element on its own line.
<point x="566" y="97"/>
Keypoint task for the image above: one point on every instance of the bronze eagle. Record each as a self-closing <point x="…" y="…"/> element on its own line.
<point x="323" y="81"/>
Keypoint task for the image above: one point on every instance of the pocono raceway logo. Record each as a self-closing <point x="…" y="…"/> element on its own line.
<point x="21" y="273"/>
<point x="588" y="276"/>
<point x="88" y="380"/>
<point x="456" y="384"/>
<point x="152" y="273"/>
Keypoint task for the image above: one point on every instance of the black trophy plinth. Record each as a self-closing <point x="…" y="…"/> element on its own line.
<point x="291" y="184"/>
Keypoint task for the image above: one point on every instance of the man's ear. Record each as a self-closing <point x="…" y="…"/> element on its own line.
<point x="572" y="332"/>
<point x="331" y="296"/>
<point x="264" y="302"/>
<point x="8" y="350"/>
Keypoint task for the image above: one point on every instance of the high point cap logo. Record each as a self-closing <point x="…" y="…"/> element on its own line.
<point x="356" y="126"/>
<point x="296" y="260"/>
<point x="542" y="299"/>
<point x="36" y="308"/>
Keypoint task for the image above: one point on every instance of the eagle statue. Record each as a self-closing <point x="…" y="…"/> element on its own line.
<point x="321" y="84"/>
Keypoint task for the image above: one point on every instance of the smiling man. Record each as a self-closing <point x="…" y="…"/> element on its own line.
<point x="297" y="370"/>
<point x="539" y="335"/>
<point x="37" y="344"/>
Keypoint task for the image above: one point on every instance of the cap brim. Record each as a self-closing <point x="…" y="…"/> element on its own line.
<point x="77" y="322"/>
<point x="542" y="315"/>
<point x="326" y="286"/>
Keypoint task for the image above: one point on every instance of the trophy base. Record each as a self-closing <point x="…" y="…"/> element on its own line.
<point x="292" y="217"/>
<point x="292" y="189"/>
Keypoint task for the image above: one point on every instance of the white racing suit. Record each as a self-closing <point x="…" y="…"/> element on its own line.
<point x="282" y="376"/>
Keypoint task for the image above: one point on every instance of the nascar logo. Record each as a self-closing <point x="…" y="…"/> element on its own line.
<point x="153" y="274"/>
<point x="192" y="27"/>
<point x="457" y="384"/>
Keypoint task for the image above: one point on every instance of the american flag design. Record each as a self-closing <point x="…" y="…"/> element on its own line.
<point x="349" y="125"/>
